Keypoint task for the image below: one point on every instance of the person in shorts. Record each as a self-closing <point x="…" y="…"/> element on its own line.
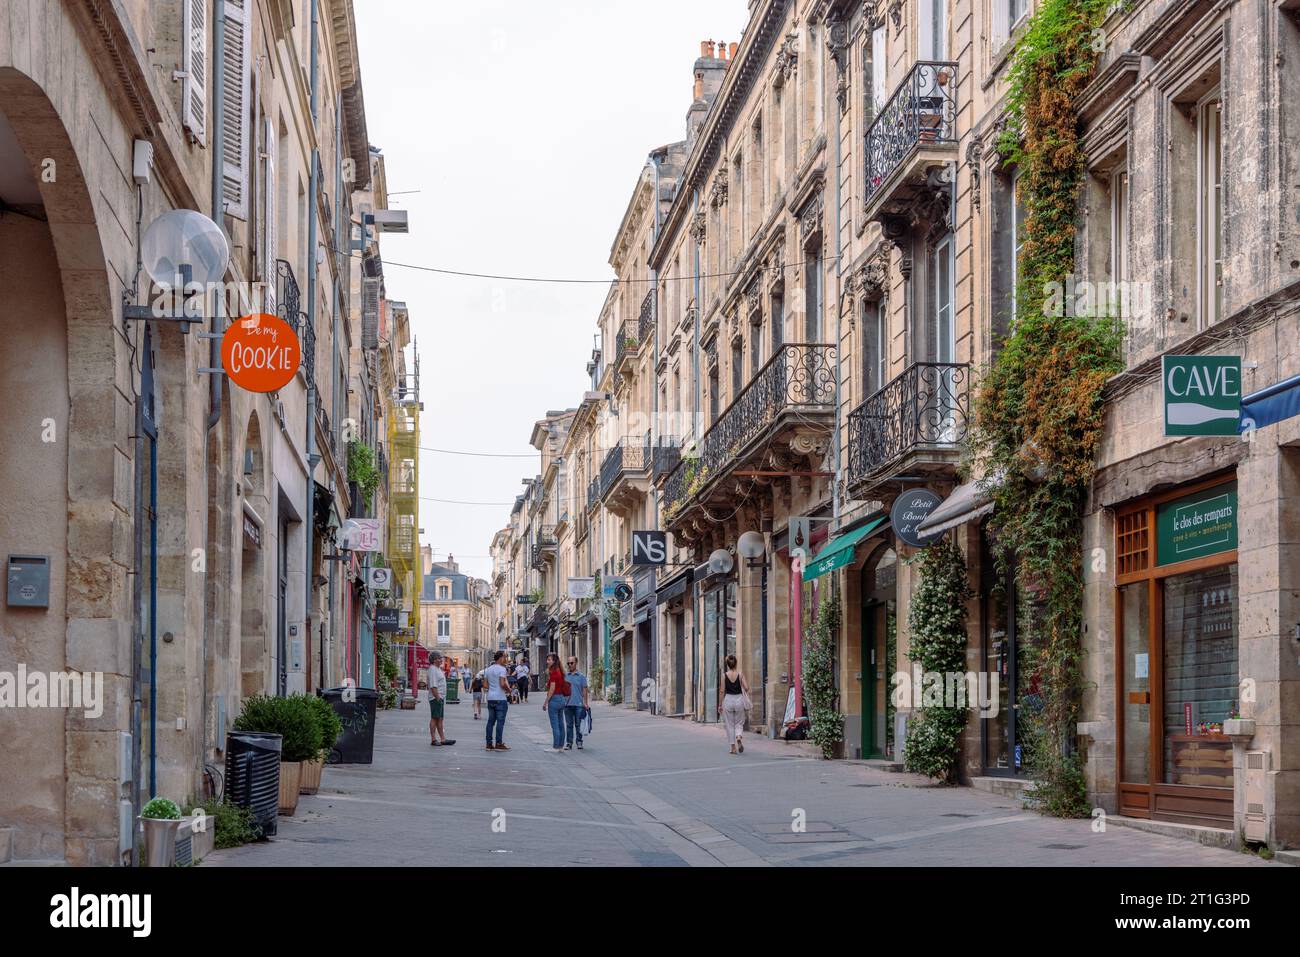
<point x="476" y="688"/>
<point x="437" y="700"/>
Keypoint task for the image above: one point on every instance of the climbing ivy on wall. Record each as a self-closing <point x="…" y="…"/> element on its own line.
<point x="819" y="684"/>
<point x="937" y="621"/>
<point x="1038" y="411"/>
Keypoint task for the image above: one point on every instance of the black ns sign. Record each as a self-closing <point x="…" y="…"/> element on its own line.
<point x="649" y="548"/>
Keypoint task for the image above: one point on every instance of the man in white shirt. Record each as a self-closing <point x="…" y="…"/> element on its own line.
<point x="498" y="700"/>
<point x="437" y="700"/>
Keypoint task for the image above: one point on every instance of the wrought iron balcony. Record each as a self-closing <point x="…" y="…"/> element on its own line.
<point x="919" y="117"/>
<point x="623" y="463"/>
<point x="666" y="458"/>
<point x="288" y="301"/>
<point x="626" y="345"/>
<point x="916" y="421"/>
<point x="798" y="380"/>
<point x="593" y="494"/>
<point x="645" y="324"/>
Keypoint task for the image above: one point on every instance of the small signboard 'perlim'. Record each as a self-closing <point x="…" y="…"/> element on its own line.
<point x="1202" y="394"/>
<point x="260" y="353"/>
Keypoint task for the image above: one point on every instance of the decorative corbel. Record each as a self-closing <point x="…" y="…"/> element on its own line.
<point x="698" y="228"/>
<point x="974" y="156"/>
<point x="837" y="43"/>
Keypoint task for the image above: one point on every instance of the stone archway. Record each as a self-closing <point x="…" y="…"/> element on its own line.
<point x="68" y="808"/>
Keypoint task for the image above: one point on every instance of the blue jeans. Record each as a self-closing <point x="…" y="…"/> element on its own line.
<point x="496" y="718"/>
<point x="555" y="711"/>
<point x="572" y="722"/>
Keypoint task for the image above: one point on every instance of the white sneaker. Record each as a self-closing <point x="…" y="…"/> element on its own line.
<point x="557" y="750"/>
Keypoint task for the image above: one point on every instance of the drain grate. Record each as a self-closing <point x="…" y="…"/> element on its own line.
<point x="1062" y="847"/>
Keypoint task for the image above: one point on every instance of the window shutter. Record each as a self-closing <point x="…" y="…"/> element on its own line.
<point x="370" y="313"/>
<point x="194" y="66"/>
<point x="270" y="237"/>
<point x="1001" y="23"/>
<point x="234" y="118"/>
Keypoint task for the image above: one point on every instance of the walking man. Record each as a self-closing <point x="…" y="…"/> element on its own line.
<point x="498" y="701"/>
<point x="576" y="706"/>
<point x="521" y="679"/>
<point x="437" y="700"/>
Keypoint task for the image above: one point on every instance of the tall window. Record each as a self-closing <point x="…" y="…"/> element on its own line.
<point x="778" y="323"/>
<point x="933" y="29"/>
<point x="1119" y="239"/>
<point x="812" y="295"/>
<point x="755" y="347"/>
<point x="444" y="629"/>
<point x="942" y="334"/>
<point x="737" y="366"/>
<point x="1209" y="128"/>
<point x="875" y="349"/>
<point x="878" y="91"/>
<point x="714" y="407"/>
<point x="1017" y="238"/>
<point x="444" y="592"/>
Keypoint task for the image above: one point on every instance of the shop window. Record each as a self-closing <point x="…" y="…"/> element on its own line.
<point x="1200" y="676"/>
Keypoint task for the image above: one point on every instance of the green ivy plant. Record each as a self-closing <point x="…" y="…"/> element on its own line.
<point x="1038" y="411"/>
<point x="362" y="469"/>
<point x="819" y="652"/>
<point x="937" y="620"/>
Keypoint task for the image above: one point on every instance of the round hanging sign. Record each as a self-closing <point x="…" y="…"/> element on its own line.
<point x="260" y="353"/>
<point x="911" y="509"/>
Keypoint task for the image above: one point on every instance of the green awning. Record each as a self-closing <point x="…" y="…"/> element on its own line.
<point x="839" y="552"/>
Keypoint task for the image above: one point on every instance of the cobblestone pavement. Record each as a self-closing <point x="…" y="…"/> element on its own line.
<point x="656" y="791"/>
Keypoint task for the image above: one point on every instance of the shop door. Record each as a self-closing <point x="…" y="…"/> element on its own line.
<point x="879" y="578"/>
<point x="1003" y="751"/>
<point x="679" y="662"/>
<point x="712" y="652"/>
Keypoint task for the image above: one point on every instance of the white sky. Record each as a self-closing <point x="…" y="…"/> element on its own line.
<point x="524" y="124"/>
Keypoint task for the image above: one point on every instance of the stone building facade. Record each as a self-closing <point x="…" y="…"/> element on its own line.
<point x="833" y="252"/>
<point x="171" y="510"/>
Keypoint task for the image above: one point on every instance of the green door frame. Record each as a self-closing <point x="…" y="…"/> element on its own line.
<point x="868" y="639"/>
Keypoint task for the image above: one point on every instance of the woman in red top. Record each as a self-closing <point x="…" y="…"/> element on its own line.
<point x="557" y="696"/>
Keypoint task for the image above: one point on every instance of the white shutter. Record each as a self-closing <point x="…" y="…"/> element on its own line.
<point x="234" y="113"/>
<point x="194" y="67"/>
<point x="1001" y="26"/>
<point x="270" y="236"/>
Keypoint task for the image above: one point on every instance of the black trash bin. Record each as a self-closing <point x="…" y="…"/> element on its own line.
<point x="356" y="745"/>
<point x="253" y="776"/>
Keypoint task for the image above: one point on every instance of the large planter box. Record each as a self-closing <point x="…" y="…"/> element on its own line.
<point x="311" y="771"/>
<point x="290" y="781"/>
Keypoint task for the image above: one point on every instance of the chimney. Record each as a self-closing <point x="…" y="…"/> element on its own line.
<point x="426" y="558"/>
<point x="451" y="562"/>
<point x="706" y="48"/>
<point x="731" y="51"/>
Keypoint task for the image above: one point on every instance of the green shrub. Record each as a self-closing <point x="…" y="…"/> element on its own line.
<point x="330" y="725"/>
<point x="819" y="676"/>
<point x="161" y="809"/>
<point x="233" y="825"/>
<point x="293" y="718"/>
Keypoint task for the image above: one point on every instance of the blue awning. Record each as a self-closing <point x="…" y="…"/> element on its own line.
<point x="1273" y="403"/>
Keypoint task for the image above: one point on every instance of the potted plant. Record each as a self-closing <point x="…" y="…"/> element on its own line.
<point x="160" y="819"/>
<point x="295" y="719"/>
<point x="330" y="728"/>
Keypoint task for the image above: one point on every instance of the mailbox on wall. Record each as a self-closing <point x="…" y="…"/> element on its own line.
<point x="29" y="581"/>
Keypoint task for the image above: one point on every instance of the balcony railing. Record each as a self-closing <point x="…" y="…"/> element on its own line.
<point x="922" y="111"/>
<point x="593" y="493"/>
<point x="624" y="457"/>
<point x="666" y="458"/>
<point x="923" y="408"/>
<point x="645" y="324"/>
<point x="625" y="347"/>
<point x="799" y="377"/>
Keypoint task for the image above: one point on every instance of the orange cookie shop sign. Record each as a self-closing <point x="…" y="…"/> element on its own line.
<point x="260" y="353"/>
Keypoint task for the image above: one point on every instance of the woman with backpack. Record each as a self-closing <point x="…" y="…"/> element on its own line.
<point x="557" y="696"/>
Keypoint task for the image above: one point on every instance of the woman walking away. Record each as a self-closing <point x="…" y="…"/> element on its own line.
<point x="557" y="696"/>
<point x="734" y="704"/>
